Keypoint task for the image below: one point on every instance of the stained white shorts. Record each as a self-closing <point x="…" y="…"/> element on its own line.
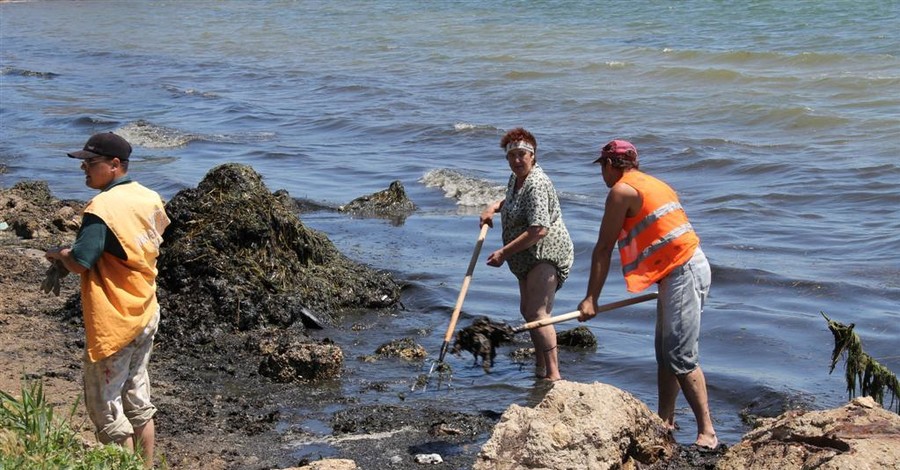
<point x="117" y="389"/>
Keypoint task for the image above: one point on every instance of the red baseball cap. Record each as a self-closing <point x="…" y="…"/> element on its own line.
<point x="620" y="149"/>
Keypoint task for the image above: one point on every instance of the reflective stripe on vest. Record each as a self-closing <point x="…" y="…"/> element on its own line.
<point x="657" y="245"/>
<point x="643" y="224"/>
<point x="658" y="238"/>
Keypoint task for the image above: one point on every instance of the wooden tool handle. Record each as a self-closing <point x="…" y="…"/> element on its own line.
<point x="572" y="315"/>
<point x="462" y="292"/>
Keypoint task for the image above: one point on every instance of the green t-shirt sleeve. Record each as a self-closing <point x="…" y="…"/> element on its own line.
<point x="93" y="239"/>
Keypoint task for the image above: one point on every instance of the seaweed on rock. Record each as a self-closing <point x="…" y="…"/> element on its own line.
<point x="236" y="258"/>
<point x="861" y="369"/>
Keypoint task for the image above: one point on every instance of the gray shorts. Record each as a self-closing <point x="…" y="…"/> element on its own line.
<point x="117" y="389"/>
<point x="681" y="297"/>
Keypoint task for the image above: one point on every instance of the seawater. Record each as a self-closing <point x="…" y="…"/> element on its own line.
<point x="778" y="123"/>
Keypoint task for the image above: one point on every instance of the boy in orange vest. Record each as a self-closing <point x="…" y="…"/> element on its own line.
<point x="657" y="245"/>
<point x="115" y="253"/>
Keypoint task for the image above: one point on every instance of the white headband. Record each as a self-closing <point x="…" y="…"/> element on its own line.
<point x="520" y="144"/>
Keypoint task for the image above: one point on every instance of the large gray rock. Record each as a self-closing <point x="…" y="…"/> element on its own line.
<point x="859" y="435"/>
<point x="577" y="426"/>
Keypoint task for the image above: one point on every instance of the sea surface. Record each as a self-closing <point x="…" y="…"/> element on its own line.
<point x="778" y="122"/>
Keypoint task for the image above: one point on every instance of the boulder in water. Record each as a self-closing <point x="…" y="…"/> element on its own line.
<point x="578" y="426"/>
<point x="390" y="203"/>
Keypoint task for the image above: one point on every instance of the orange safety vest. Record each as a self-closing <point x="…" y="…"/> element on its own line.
<point x="659" y="238"/>
<point x="118" y="296"/>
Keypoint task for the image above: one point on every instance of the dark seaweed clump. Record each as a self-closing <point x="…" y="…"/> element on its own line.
<point x="236" y="258"/>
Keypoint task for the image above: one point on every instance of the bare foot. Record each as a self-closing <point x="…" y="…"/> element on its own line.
<point x="709" y="442"/>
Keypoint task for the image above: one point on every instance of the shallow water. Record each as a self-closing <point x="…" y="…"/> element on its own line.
<point x="777" y="122"/>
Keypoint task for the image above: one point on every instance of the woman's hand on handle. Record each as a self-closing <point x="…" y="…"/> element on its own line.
<point x="487" y="215"/>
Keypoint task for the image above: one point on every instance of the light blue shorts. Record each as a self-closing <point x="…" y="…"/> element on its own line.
<point x="682" y="295"/>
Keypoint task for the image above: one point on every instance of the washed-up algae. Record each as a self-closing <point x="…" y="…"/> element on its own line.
<point x="862" y="370"/>
<point x="236" y="258"/>
<point x="482" y="338"/>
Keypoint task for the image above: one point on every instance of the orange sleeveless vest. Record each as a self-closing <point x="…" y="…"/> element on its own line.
<point x="118" y="296"/>
<point x="659" y="238"/>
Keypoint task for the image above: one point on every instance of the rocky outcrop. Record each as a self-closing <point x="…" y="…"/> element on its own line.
<point x="577" y="426"/>
<point x="296" y="361"/>
<point x="859" y="435"/>
<point x="30" y="211"/>
<point x="404" y="348"/>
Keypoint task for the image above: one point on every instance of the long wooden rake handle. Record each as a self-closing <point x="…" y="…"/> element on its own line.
<point x="462" y="292"/>
<point x="572" y="315"/>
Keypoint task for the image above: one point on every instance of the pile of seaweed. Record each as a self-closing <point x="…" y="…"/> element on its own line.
<point x="236" y="258"/>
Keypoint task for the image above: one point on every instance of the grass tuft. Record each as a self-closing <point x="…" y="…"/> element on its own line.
<point x="32" y="436"/>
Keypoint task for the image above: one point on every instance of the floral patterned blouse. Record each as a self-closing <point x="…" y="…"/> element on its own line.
<point x="536" y="203"/>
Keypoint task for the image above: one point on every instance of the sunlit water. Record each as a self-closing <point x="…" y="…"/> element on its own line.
<point x="777" y="122"/>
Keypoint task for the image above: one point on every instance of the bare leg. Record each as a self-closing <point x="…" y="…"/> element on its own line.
<point x="668" y="387"/>
<point x="694" y="386"/>
<point x="146" y="439"/>
<point x="538" y="292"/>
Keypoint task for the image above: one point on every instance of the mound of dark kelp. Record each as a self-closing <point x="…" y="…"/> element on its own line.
<point x="236" y="258"/>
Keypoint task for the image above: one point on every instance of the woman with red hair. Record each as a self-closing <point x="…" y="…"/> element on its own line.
<point x="536" y="243"/>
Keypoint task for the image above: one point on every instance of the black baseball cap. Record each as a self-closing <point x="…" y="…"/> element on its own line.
<point x="104" y="144"/>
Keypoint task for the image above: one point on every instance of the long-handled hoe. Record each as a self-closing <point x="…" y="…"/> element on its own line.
<point x="439" y="365"/>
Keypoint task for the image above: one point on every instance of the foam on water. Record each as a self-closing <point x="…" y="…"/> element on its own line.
<point x="467" y="191"/>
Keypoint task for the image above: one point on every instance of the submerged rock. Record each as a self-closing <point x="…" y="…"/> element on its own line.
<point x="769" y="403"/>
<point x="391" y="203"/>
<point x="405" y="348"/>
<point x="595" y="426"/>
<point x="236" y="258"/>
<point x="578" y="337"/>
<point x="369" y="419"/>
